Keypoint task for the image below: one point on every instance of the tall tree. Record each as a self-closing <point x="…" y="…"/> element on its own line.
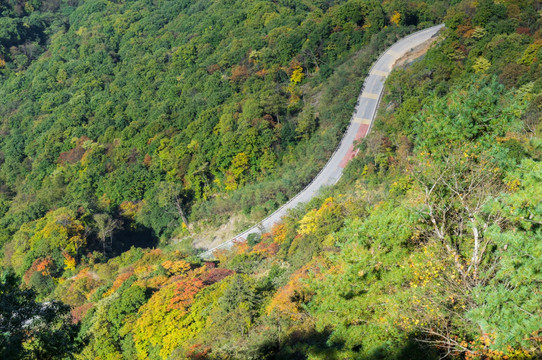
<point x="105" y="227"/>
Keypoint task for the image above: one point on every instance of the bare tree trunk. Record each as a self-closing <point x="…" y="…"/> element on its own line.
<point x="102" y="240"/>
<point x="180" y="210"/>
<point x="475" y="258"/>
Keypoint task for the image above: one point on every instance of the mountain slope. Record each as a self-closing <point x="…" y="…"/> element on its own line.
<point x="429" y="246"/>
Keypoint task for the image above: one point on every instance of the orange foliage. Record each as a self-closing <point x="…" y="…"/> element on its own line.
<point x="160" y="321"/>
<point x="82" y="274"/>
<point x="279" y="233"/>
<point x="221" y="254"/>
<point x="44" y="266"/>
<point x="288" y="300"/>
<point x="240" y="247"/>
<point x="479" y="348"/>
<point x="266" y="236"/>
<point x="464" y="31"/>
<point x="147" y="161"/>
<point x="266" y="249"/>
<point x="184" y="294"/>
<point x="118" y="282"/>
<point x="198" y="351"/>
<point x="239" y="73"/>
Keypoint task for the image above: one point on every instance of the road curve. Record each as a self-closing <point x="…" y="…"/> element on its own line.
<point x="360" y="124"/>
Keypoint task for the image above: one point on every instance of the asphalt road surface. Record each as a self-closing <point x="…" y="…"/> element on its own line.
<point x="360" y="124"/>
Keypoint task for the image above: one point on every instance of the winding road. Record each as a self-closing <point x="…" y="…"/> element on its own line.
<point x="360" y="124"/>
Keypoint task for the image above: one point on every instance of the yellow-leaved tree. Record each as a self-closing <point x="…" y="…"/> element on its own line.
<point x="395" y="18"/>
<point x="297" y="75"/>
<point x="164" y="321"/>
<point x="324" y="220"/>
<point x="481" y="65"/>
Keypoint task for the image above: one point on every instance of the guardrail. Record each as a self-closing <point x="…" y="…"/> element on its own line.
<point x="254" y="229"/>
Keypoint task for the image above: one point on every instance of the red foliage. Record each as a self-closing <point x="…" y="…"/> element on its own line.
<point x="198" y="351"/>
<point x="209" y="264"/>
<point x="215" y="275"/>
<point x="78" y="313"/>
<point x="74" y="155"/>
<point x="523" y="31"/>
<point x="147" y="160"/>
<point x="185" y="292"/>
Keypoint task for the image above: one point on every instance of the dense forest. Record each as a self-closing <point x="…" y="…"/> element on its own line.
<point x="181" y="112"/>
<point x="129" y="129"/>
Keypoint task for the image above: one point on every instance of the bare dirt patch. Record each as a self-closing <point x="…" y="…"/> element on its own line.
<point x="211" y="236"/>
<point x="415" y="53"/>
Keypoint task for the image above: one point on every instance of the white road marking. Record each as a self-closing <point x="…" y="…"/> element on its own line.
<point x="364" y="121"/>
<point x="368" y="95"/>
<point x="379" y="73"/>
<point x="394" y="53"/>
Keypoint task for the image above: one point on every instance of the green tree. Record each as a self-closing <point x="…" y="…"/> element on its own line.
<point x="33" y="330"/>
<point x="237" y="306"/>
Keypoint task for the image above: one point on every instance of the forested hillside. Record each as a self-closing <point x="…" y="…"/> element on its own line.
<point x="134" y="115"/>
<point x="170" y="109"/>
